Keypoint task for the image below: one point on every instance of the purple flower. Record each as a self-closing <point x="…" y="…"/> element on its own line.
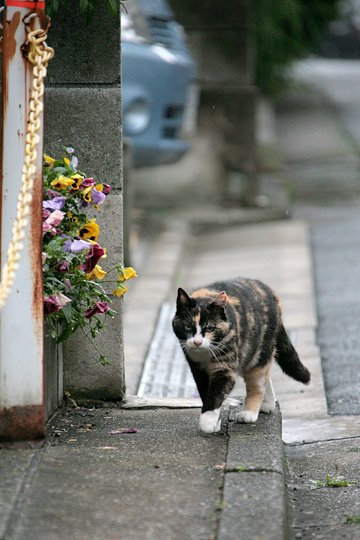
<point x="55" y="302"/>
<point x="57" y="203"/>
<point x="97" y="197"/>
<point x="51" y="194"/>
<point x="100" y="307"/>
<point x="87" y="182"/>
<point x="46" y="214"/>
<point x="70" y="150"/>
<point x="64" y="266"/>
<point x="95" y="253"/>
<point x="106" y="189"/>
<point x="77" y="246"/>
<point x="74" y="162"/>
<point x="67" y="245"/>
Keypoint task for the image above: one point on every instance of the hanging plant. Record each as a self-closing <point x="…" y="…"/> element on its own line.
<point x="74" y="279"/>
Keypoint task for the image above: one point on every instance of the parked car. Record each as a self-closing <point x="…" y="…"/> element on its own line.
<point x="159" y="90"/>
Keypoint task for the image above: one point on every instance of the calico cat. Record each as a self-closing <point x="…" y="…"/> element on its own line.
<point x="229" y="328"/>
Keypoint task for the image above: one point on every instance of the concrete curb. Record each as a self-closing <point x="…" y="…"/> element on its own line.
<point x="254" y="496"/>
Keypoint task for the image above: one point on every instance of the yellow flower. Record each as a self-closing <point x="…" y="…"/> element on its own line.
<point x="90" y="231"/>
<point x="127" y="273"/>
<point x="87" y="194"/>
<point x="99" y="187"/>
<point x="67" y="161"/>
<point x="120" y="291"/>
<point x="49" y="160"/>
<point x="61" y="182"/>
<point x="72" y="218"/>
<point x="97" y="273"/>
<point x="77" y="181"/>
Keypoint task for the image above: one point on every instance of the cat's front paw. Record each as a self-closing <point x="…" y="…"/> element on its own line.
<point x="247" y="417"/>
<point x="210" y="422"/>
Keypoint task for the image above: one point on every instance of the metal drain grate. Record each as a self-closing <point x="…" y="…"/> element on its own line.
<point x="166" y="373"/>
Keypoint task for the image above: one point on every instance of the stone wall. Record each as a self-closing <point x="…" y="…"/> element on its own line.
<point x="83" y="110"/>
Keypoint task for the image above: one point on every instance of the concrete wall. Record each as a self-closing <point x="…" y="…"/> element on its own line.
<point x="221" y="39"/>
<point x="83" y="110"/>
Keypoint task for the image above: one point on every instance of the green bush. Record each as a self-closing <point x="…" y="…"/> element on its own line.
<point x="285" y="31"/>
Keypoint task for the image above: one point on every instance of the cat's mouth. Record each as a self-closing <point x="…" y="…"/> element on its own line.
<point x="197" y="344"/>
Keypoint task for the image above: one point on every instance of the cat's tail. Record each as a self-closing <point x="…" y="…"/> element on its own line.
<point x="288" y="359"/>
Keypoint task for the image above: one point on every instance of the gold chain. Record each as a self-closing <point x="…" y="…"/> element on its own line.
<point x="38" y="54"/>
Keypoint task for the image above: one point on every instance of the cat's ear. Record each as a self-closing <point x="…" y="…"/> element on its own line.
<point x="220" y="299"/>
<point x="218" y="305"/>
<point x="183" y="299"/>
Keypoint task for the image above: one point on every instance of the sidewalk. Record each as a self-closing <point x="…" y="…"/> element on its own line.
<point x="164" y="482"/>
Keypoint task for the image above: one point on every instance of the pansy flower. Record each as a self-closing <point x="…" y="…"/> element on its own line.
<point x="92" y="258"/>
<point x="57" y="203"/>
<point x="100" y="307"/>
<point x="104" y="188"/>
<point x="61" y="182"/>
<point x="77" y="246"/>
<point x="63" y="266"/>
<point x="77" y="181"/>
<point x="87" y="182"/>
<point x="72" y="217"/>
<point x="96" y="273"/>
<point x="52" y="221"/>
<point x="120" y="290"/>
<point x="97" y="197"/>
<point x="127" y="273"/>
<point x="90" y="231"/>
<point x="55" y="302"/>
<point x="48" y="160"/>
<point x="87" y="194"/>
<point x="55" y="218"/>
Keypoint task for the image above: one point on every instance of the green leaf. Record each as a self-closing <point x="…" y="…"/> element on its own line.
<point x="113" y="6"/>
<point x="104" y="361"/>
<point x="68" y="312"/>
<point x="66" y="333"/>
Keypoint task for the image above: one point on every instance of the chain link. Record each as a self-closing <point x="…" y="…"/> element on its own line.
<point x="38" y="54"/>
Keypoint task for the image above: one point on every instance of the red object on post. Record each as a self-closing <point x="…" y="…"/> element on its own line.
<point x="30" y="4"/>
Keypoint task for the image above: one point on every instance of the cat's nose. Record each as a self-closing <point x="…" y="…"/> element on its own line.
<point x="197" y="340"/>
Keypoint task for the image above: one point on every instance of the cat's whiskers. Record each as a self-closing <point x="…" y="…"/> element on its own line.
<point x="217" y="357"/>
<point x="222" y="349"/>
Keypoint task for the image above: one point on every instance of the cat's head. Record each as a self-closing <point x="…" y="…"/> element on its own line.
<point x="200" y="321"/>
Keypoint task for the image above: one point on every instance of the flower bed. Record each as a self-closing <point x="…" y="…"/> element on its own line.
<point x="77" y="289"/>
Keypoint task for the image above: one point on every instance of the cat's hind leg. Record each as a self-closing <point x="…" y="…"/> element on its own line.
<point x="256" y="384"/>
<point x="269" y="401"/>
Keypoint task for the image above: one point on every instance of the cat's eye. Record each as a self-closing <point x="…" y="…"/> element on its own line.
<point x="188" y="327"/>
<point x="209" y="327"/>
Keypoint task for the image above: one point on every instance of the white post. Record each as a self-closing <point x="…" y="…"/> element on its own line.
<point x="22" y="411"/>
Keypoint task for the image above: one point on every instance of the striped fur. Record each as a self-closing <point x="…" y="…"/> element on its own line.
<point x="232" y="328"/>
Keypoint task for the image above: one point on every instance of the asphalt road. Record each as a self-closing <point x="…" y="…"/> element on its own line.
<point x="336" y="252"/>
